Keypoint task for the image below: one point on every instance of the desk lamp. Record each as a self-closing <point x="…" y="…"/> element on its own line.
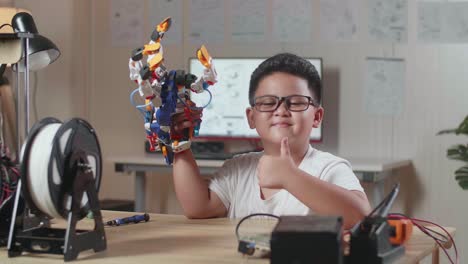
<point x="36" y="52"/>
<point x="41" y="50"/>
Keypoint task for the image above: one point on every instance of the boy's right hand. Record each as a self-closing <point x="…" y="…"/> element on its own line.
<point x="274" y="171"/>
<point x="180" y="121"/>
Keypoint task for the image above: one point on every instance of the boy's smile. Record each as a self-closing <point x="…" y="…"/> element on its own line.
<point x="273" y="125"/>
<point x="281" y="124"/>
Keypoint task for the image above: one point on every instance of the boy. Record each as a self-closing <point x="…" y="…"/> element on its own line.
<point x="289" y="176"/>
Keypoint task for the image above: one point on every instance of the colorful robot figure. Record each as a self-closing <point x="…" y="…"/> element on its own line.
<point x="167" y="93"/>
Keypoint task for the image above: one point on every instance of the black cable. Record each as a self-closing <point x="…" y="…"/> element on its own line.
<point x="250" y="216"/>
<point x="6" y="24"/>
<point x="386" y="202"/>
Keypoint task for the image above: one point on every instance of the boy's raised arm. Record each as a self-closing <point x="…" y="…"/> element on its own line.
<point x="192" y="191"/>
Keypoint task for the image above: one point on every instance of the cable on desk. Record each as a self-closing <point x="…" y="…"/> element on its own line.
<point x="443" y="241"/>
<point x="248" y="247"/>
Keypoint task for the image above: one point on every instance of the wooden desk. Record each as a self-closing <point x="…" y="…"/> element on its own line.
<point x="176" y="239"/>
<point x="373" y="171"/>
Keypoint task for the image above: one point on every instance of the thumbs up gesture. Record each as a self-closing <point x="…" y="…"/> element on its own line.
<point x="273" y="171"/>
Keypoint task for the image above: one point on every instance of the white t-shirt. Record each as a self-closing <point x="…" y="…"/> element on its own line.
<point x="236" y="183"/>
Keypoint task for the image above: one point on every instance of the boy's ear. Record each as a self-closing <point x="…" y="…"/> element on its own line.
<point x="318" y="116"/>
<point x="250" y="117"/>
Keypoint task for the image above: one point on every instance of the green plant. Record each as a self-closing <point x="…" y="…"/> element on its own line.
<point x="459" y="152"/>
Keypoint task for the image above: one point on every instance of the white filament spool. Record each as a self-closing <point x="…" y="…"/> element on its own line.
<point x="45" y="159"/>
<point x="38" y="178"/>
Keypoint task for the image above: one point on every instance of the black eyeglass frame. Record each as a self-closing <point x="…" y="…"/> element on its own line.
<point x="281" y="99"/>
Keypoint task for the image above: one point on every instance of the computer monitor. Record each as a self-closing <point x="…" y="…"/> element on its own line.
<point x="224" y="118"/>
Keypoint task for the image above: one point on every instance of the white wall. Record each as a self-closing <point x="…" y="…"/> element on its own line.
<point x="91" y="80"/>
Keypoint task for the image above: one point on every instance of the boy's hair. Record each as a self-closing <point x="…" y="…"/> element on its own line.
<point x="287" y="63"/>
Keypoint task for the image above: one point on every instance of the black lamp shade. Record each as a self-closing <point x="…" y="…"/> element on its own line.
<point x="42" y="51"/>
<point x="24" y="22"/>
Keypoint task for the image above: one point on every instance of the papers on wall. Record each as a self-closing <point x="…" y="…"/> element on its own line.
<point x="430" y="21"/>
<point x="442" y="22"/>
<point x="292" y="20"/>
<point x="457" y="22"/>
<point x="126" y="23"/>
<point x="388" y="20"/>
<point x="248" y="20"/>
<point x="339" y="20"/>
<point x="206" y="21"/>
<point x="384" y="86"/>
<point x="159" y="10"/>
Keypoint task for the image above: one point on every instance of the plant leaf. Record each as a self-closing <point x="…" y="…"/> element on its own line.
<point x="461" y="175"/>
<point x="463" y="127"/>
<point x="448" y="131"/>
<point x="462" y="171"/>
<point x="463" y="184"/>
<point x="458" y="152"/>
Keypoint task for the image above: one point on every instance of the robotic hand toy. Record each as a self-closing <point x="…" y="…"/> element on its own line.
<point x="167" y="93"/>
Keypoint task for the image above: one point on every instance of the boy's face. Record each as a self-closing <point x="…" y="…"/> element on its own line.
<point x="273" y="126"/>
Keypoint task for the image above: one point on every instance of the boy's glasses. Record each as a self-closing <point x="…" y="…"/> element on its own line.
<point x="294" y="103"/>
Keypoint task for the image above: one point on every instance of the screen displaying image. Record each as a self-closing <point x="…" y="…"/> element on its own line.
<point x="225" y="116"/>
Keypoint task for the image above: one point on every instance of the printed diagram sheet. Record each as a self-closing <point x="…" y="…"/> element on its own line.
<point x="388" y="20"/>
<point x="339" y="20"/>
